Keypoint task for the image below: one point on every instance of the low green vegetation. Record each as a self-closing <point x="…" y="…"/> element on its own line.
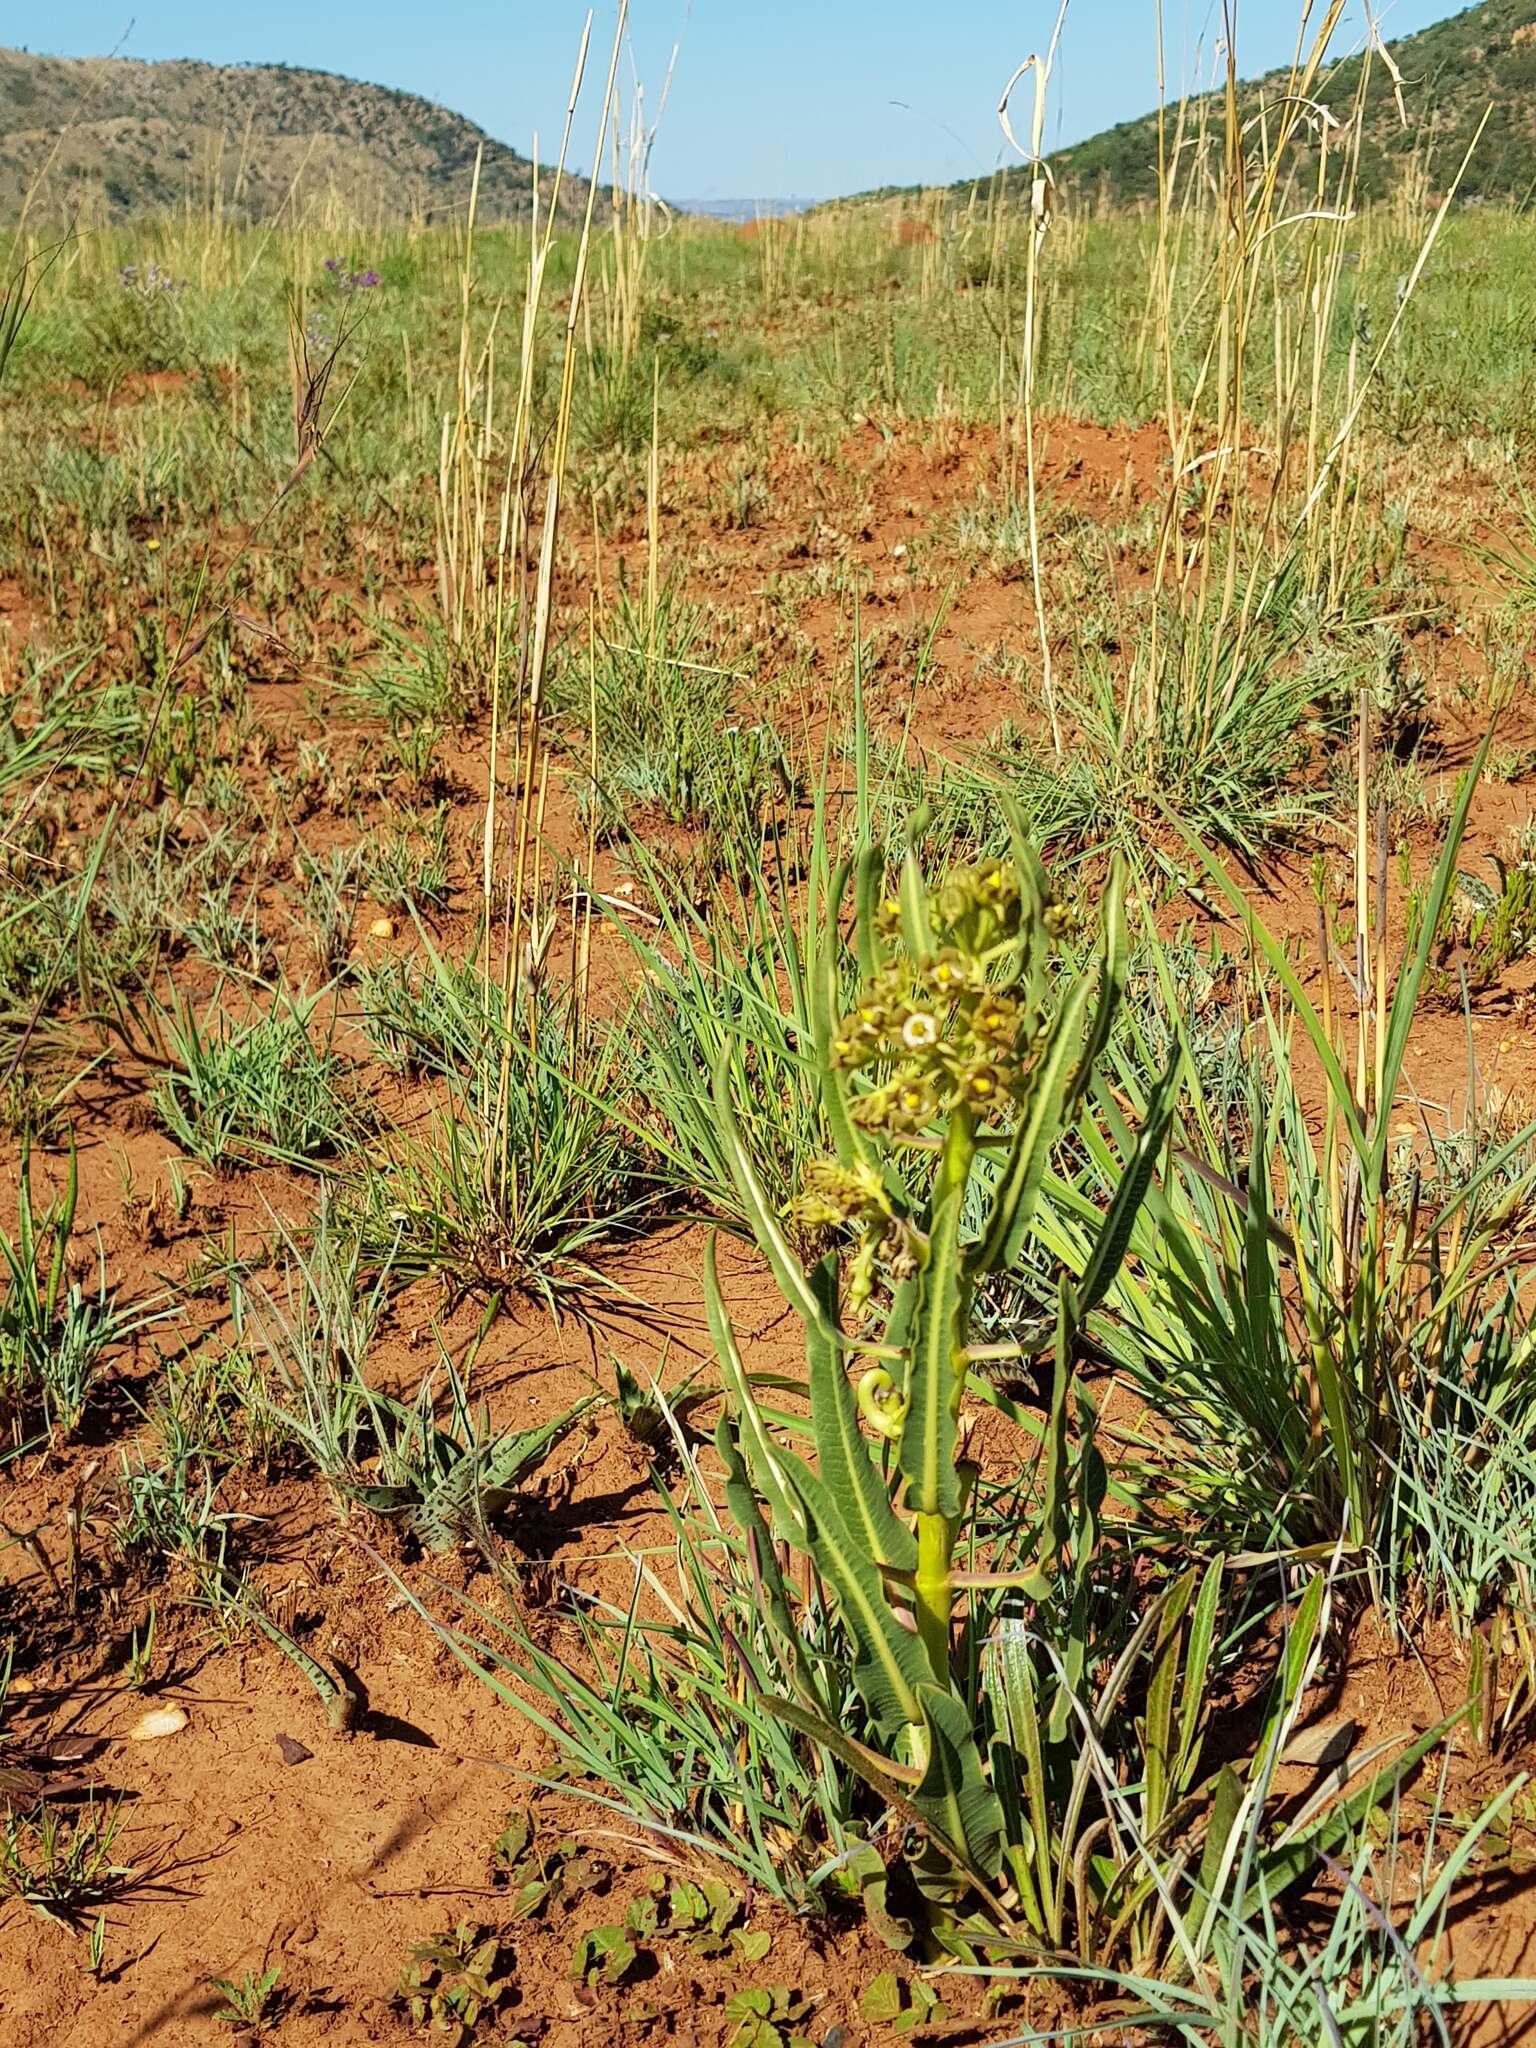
<point x="762" y="1008"/>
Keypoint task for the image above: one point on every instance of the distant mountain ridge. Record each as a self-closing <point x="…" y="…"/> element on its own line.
<point x="107" y="138"/>
<point x="1481" y="59"/>
<point x="741" y="211"/>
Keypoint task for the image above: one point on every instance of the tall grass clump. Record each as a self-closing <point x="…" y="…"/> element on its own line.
<point x="1338" y="1351"/>
<point x="525" y="1169"/>
<point x="528" y="1164"/>
<point x="1264" y="496"/>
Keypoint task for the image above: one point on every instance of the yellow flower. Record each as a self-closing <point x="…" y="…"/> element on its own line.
<point x="949" y="972"/>
<point x="983" y="1084"/>
<point x="916" y="1102"/>
<point x="995" y="1018"/>
<point x="920" y="1031"/>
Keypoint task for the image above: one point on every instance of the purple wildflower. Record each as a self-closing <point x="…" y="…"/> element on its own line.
<point x="149" y="283"/>
<point x="351" y="280"/>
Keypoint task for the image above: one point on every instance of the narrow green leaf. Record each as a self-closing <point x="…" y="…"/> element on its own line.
<point x="773" y="1244"/>
<point x="1161" y="1688"/>
<point x="1225" y="1804"/>
<point x="741" y="1498"/>
<point x="894" y="1782"/>
<point x="888" y="1660"/>
<point x="1011" y="1676"/>
<point x="1300" y="1641"/>
<point x="1405" y="997"/>
<point x="1115" y="1235"/>
<point x="1276" y="953"/>
<point x="849" y="1142"/>
<point x="927" y="1452"/>
<point x="1296" y="1856"/>
<point x="769" y="1464"/>
<point x="955" y="1798"/>
<point x="867" y="890"/>
<point x="843" y="1453"/>
<point x="1197" y="1664"/>
<point x="916" y="928"/>
<point x="1018" y="1186"/>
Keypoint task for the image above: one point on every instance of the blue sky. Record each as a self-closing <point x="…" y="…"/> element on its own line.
<point x="772" y="98"/>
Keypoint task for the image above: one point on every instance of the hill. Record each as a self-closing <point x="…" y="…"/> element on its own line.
<point x="105" y="138"/>
<point x="1484" y="57"/>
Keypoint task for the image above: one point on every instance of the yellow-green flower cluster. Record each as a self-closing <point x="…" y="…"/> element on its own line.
<point x="832" y="1193"/>
<point x="950" y="1030"/>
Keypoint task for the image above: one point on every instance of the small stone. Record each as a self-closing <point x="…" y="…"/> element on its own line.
<point x="382" y="928"/>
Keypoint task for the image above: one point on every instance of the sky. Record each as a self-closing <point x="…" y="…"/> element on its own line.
<point x="769" y="98"/>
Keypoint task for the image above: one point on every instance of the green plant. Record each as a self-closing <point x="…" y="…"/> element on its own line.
<point x="1482" y="930"/>
<point x="442" y="1477"/>
<point x="604" y="1955"/>
<point x="666" y="736"/>
<point x="1378" y="1975"/>
<point x="1232" y="778"/>
<point x="445" y="1482"/>
<point x="1302" y="1330"/>
<point x="455" y="1980"/>
<point x="253" y="2002"/>
<point x="314" y="1336"/>
<point x="433" y="1020"/>
<point x="965" y="1067"/>
<point x="63" y="1865"/>
<point x="731" y="982"/>
<point x="538" y="1874"/>
<point x="662" y="1717"/>
<point x="527" y="1169"/>
<point x="252" y="1090"/>
<point x="227" y="934"/>
<point x="735" y="981"/>
<point x="412" y="683"/>
<point x="407" y="866"/>
<point x="767" y="2016"/>
<point x="960" y="1068"/>
<point x="141" y="1654"/>
<point x="645" y="1412"/>
<point x="902" y="2007"/>
<point x="54" y="1337"/>
<point x="167" y="1513"/>
<point x="330" y="895"/>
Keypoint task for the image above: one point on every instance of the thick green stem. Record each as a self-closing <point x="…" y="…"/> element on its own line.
<point x="933" y="1584"/>
<point x="954" y="1174"/>
<point x="934" y="1593"/>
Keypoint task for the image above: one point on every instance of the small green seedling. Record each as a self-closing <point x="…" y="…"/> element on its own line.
<point x="252" y="2002"/>
<point x="451" y="1982"/>
<point x="141" y="1653"/>
<point x="537" y="1879"/>
<point x="904" y="2007"/>
<point x="648" y="1413"/>
<point x="707" y="1908"/>
<point x="604" y="1955"/>
<point x="767" y="2016"/>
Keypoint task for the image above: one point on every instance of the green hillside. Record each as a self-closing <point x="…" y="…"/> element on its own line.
<point x="1453" y="72"/>
<point x="105" y="138"/>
